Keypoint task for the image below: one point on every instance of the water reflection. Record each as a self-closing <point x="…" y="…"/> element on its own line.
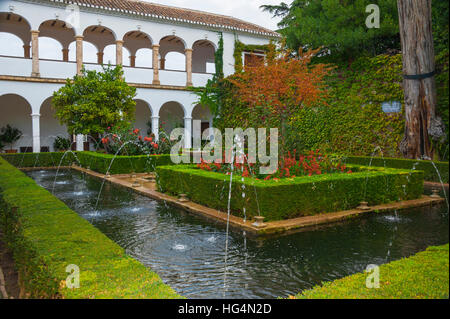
<point x="188" y="251"/>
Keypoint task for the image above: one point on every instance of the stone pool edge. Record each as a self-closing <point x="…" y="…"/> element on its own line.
<point x="281" y="227"/>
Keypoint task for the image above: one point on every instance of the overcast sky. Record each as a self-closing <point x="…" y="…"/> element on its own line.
<point x="247" y="10"/>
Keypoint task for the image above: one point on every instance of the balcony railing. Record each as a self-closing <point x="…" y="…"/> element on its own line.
<point x="18" y="66"/>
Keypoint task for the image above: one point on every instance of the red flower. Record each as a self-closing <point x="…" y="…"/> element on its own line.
<point x="140" y="138"/>
<point x="136" y="131"/>
<point x="105" y="140"/>
<point x="148" y="139"/>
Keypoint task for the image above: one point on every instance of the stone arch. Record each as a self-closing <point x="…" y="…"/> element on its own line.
<point x="59" y="31"/>
<point x="18" y="26"/>
<point x="100" y="36"/>
<point x="171" y="115"/>
<point x="16" y="111"/>
<point x="50" y="126"/>
<point x="133" y="41"/>
<point x="203" y="54"/>
<point x="143" y="115"/>
<point x="172" y="53"/>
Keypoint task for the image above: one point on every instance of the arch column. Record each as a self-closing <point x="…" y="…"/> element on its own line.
<point x="35" y="53"/>
<point x="188" y="132"/>
<point x="132" y="61"/>
<point x="162" y="63"/>
<point x="79" y="53"/>
<point x="65" y="54"/>
<point x="119" y="52"/>
<point x="188" y="54"/>
<point x="100" y="57"/>
<point x="35" y="119"/>
<point x="155" y="63"/>
<point x="26" y="51"/>
<point x="155" y="127"/>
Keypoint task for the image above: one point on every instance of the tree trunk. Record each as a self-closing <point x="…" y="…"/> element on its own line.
<point x="420" y="94"/>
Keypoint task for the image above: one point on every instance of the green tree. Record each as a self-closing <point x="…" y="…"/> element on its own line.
<point x="94" y="101"/>
<point x="338" y="26"/>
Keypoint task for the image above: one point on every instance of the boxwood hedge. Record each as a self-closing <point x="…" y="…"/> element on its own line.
<point x="46" y="236"/>
<point x="95" y="161"/>
<point x="408" y="164"/>
<point x="291" y="197"/>
<point x="50" y="159"/>
<point x="122" y="164"/>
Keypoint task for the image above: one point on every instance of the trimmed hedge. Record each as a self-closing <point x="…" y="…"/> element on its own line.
<point x="122" y="164"/>
<point x="46" y="236"/>
<point x="424" y="275"/>
<point x="49" y="159"/>
<point x="291" y="197"/>
<point x="426" y="166"/>
<point x="97" y="162"/>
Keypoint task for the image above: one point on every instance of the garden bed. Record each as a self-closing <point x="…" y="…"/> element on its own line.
<point x="46" y="236"/>
<point x="291" y="197"/>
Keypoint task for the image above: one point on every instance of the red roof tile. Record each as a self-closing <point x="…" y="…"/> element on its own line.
<point x="173" y="13"/>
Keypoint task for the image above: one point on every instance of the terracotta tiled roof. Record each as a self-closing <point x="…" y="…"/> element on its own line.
<point x="174" y="14"/>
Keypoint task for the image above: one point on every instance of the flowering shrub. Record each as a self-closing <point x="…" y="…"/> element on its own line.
<point x="289" y="166"/>
<point x="124" y="140"/>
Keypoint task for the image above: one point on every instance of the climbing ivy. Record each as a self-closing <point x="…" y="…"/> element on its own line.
<point x="240" y="47"/>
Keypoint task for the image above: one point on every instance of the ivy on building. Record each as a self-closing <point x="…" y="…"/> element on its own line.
<point x="240" y="47"/>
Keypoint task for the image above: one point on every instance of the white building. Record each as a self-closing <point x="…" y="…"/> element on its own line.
<point x="147" y="39"/>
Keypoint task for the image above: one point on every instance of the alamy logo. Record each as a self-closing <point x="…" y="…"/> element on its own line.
<point x="73" y="280"/>
<point x="373" y="277"/>
<point x="72" y="18"/>
<point x="373" y="19"/>
<point x="235" y="141"/>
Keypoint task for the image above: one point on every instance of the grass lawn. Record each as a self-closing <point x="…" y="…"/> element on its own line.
<point x="424" y="275"/>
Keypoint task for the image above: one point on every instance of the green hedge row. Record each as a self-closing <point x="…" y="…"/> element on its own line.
<point x="95" y="161"/>
<point x="289" y="198"/>
<point x="122" y="164"/>
<point x="424" y="276"/>
<point x="426" y="166"/>
<point x="50" y="159"/>
<point x="46" y="236"/>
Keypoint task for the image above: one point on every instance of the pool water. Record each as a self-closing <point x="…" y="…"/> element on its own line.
<point x="188" y="252"/>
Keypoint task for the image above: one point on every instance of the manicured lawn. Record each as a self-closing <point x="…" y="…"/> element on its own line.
<point x="424" y="275"/>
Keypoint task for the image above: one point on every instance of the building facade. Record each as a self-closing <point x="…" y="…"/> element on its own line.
<point x="141" y="36"/>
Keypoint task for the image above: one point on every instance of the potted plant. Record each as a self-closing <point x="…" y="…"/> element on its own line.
<point x="10" y="135"/>
<point x="61" y="144"/>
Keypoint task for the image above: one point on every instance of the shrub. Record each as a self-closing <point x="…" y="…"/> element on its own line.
<point x="46" y="236"/>
<point x="61" y="143"/>
<point x="122" y="164"/>
<point x="95" y="161"/>
<point x="409" y="164"/>
<point x="10" y="135"/>
<point x="291" y="197"/>
<point x="48" y="159"/>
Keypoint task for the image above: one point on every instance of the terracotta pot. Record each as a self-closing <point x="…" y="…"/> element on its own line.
<point x="10" y="151"/>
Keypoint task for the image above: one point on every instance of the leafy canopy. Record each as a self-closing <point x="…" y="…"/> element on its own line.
<point x="338" y="26"/>
<point x="94" y="101"/>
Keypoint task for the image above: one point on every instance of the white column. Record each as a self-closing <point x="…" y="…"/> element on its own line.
<point x="155" y="126"/>
<point x="80" y="142"/>
<point x="36" y="132"/>
<point x="188" y="132"/>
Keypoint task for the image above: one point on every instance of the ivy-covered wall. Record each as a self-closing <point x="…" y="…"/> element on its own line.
<point x="353" y="122"/>
<point x="240" y="47"/>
